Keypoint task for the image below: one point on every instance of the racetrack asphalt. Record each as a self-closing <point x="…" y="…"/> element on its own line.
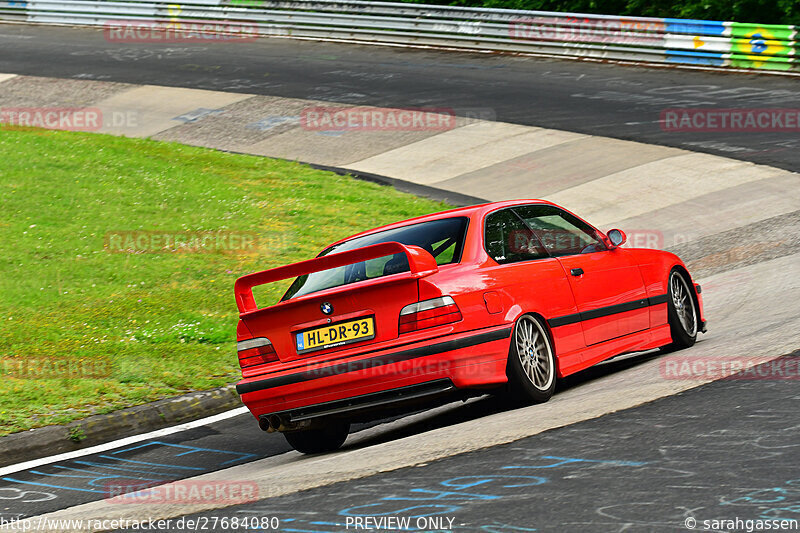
<point x="725" y="450"/>
<point x="620" y="101"/>
<point x="212" y="447"/>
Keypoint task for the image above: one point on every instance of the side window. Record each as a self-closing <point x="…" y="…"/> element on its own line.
<point x="508" y="240"/>
<point x="443" y="238"/>
<point x="444" y="251"/>
<point x="560" y="232"/>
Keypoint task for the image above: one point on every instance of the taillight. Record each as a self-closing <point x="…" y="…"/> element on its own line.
<point x="428" y="314"/>
<point x="254" y="352"/>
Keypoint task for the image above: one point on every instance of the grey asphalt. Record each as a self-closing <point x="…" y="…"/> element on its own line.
<point x="209" y="448"/>
<point x="729" y="449"/>
<point x="611" y="100"/>
<point x="177" y="456"/>
<point x="194" y="452"/>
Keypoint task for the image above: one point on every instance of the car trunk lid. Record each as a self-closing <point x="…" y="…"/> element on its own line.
<point x="329" y="320"/>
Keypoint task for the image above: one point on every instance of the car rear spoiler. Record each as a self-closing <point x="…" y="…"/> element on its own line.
<point x="420" y="262"/>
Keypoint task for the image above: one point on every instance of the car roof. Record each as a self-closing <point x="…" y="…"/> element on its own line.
<point x="472" y="211"/>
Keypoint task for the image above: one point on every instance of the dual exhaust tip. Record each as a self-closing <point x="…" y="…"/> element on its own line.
<point x="276" y="422"/>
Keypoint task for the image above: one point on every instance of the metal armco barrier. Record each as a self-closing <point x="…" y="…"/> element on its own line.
<point x="675" y="41"/>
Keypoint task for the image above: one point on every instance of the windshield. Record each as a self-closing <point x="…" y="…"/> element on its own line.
<point x="443" y="239"/>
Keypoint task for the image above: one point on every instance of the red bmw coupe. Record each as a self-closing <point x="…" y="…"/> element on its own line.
<point x="506" y="296"/>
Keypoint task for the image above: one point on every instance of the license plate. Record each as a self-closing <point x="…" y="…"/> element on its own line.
<point x="335" y="335"/>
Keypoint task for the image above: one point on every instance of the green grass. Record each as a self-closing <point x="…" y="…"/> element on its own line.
<point x="165" y="321"/>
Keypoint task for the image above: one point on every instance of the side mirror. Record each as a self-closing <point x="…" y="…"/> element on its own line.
<point x="616" y="237"/>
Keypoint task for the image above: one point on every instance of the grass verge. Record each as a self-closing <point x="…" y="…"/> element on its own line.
<point x="120" y="329"/>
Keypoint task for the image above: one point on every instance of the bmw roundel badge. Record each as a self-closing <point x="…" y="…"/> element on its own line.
<point x="326" y="308"/>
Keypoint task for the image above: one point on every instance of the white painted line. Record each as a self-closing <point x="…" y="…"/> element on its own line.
<point x="122" y="442"/>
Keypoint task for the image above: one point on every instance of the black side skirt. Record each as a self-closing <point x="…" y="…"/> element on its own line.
<point x="607" y="311"/>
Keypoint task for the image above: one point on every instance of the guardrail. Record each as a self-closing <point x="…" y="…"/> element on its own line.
<point x="642" y="39"/>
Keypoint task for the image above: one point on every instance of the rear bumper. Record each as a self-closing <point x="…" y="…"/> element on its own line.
<point x="367" y="404"/>
<point x="468" y="360"/>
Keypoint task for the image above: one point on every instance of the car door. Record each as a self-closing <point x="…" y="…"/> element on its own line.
<point x="532" y="279"/>
<point x="607" y="286"/>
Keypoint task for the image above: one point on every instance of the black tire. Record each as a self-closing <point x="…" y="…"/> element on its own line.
<point x="326" y="438"/>
<point x="532" y="375"/>
<point x="681" y="312"/>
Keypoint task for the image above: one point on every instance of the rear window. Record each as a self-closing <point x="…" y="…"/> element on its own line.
<point x="443" y="239"/>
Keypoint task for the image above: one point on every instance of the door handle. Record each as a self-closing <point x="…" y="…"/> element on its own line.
<point x="576" y="271"/>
